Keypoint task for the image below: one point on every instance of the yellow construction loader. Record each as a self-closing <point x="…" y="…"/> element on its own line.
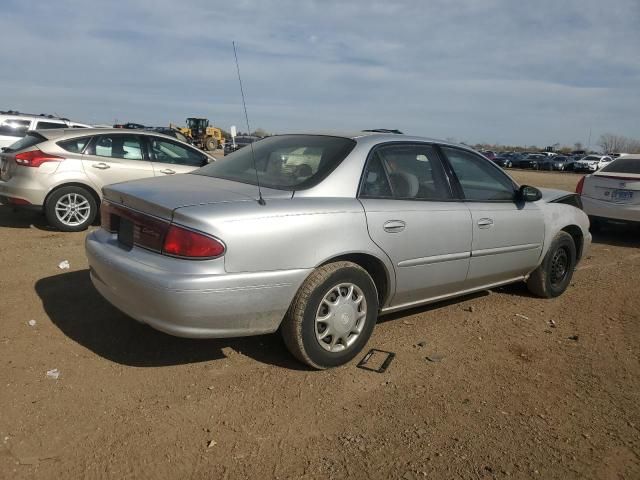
<point x="201" y="134"/>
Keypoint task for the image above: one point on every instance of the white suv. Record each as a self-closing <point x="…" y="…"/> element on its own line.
<point x="14" y="125"/>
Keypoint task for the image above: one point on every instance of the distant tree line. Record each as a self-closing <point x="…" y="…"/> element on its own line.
<point x="609" y="143"/>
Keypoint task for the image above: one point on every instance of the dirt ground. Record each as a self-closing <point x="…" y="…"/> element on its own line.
<point x="527" y="388"/>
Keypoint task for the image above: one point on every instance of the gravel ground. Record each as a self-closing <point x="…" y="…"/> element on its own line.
<point x="525" y="387"/>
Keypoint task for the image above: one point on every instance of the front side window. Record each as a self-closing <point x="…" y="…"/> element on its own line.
<point x="165" y="151"/>
<point x="284" y="162"/>
<point x="118" y="146"/>
<point x="48" y="125"/>
<point x="479" y="179"/>
<point x="405" y="171"/>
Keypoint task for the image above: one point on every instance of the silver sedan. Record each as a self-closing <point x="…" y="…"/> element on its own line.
<point x="317" y="235"/>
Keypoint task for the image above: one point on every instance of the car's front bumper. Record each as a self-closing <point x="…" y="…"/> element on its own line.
<point x="610" y="210"/>
<point x="148" y="287"/>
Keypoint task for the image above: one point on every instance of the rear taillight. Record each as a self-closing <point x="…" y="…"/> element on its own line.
<point x="580" y="186"/>
<point x="35" y="158"/>
<point x="181" y="242"/>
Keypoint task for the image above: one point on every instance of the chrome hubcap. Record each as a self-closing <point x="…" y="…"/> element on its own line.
<point x="73" y="209"/>
<point x="341" y="317"/>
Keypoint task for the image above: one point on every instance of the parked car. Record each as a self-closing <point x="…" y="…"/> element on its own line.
<point x="489" y="154"/>
<point x="130" y="126"/>
<point x="613" y="192"/>
<point x="591" y="163"/>
<point x="532" y="160"/>
<point x="556" y="162"/>
<point x="504" y="161"/>
<point x="368" y="224"/>
<point x="63" y="172"/>
<point x="14" y="125"/>
<point x="240" y="141"/>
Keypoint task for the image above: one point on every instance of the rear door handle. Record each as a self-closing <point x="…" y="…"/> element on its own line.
<point x="101" y="166"/>
<point x="167" y="171"/>
<point x="485" y="223"/>
<point x="394" y="226"/>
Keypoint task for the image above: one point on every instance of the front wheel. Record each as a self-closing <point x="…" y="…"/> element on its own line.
<point x="332" y="316"/>
<point x="554" y="274"/>
<point x="70" y="209"/>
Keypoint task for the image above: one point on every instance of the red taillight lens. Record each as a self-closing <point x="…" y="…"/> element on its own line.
<point x="580" y="186"/>
<point x="35" y="158"/>
<point x="181" y="242"/>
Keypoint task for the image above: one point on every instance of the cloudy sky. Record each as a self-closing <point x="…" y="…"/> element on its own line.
<point x="498" y="71"/>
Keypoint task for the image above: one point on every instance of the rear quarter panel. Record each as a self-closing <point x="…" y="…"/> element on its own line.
<point x="285" y="233"/>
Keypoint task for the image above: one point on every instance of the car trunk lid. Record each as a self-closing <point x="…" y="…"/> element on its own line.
<point x="623" y="188"/>
<point x="161" y="196"/>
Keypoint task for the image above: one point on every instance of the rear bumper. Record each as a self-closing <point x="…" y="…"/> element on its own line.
<point x="147" y="287"/>
<point x="610" y="210"/>
<point x="23" y="189"/>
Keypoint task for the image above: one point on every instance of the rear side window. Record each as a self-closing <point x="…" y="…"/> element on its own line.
<point x="29" y="140"/>
<point x="14" y="128"/>
<point x="623" y="165"/>
<point x="48" y="125"/>
<point x="75" y="145"/>
<point x="404" y="171"/>
<point x="479" y="178"/>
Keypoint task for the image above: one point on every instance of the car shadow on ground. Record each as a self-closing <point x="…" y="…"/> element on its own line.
<point x="80" y="312"/>
<point x="430" y="307"/>
<point x="12" y="217"/>
<point x="617" y="235"/>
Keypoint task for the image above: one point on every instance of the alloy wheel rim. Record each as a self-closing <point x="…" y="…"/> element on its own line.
<point x="72" y="209"/>
<point x="340" y="317"/>
<point x="559" y="266"/>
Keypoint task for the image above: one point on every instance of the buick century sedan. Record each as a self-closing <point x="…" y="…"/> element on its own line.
<point x="318" y="235"/>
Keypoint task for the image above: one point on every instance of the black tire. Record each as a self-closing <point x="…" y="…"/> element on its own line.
<point x="299" y="325"/>
<point x="85" y="213"/>
<point x="554" y="274"/>
<point x="210" y="144"/>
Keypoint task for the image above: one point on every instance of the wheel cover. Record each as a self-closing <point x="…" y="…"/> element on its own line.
<point x="559" y="266"/>
<point x="73" y="209"/>
<point x="341" y="317"/>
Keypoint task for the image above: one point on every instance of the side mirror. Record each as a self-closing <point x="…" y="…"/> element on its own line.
<point x="527" y="193"/>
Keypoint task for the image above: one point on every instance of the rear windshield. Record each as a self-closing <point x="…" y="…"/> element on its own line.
<point x="284" y="162"/>
<point x="29" y="140"/>
<point x="623" y="165"/>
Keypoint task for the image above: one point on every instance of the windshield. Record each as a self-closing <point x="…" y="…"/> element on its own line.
<point x="623" y="165"/>
<point x="284" y="162"/>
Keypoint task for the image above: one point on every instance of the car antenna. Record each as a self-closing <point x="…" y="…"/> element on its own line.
<point x="253" y="155"/>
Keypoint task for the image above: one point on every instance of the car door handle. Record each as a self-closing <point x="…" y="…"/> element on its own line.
<point x="394" y="226"/>
<point x="485" y="223"/>
<point x="167" y="171"/>
<point x="101" y="166"/>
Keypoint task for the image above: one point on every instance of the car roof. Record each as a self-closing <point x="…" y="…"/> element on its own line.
<point x="52" y="133"/>
<point x="376" y="137"/>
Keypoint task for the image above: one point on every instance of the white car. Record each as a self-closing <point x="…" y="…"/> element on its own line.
<point x="14" y="125"/>
<point x="592" y="163"/>
<point x="613" y="193"/>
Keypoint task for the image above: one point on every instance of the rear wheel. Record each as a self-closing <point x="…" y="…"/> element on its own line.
<point x="332" y="316"/>
<point x="553" y="275"/>
<point x="70" y="209"/>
